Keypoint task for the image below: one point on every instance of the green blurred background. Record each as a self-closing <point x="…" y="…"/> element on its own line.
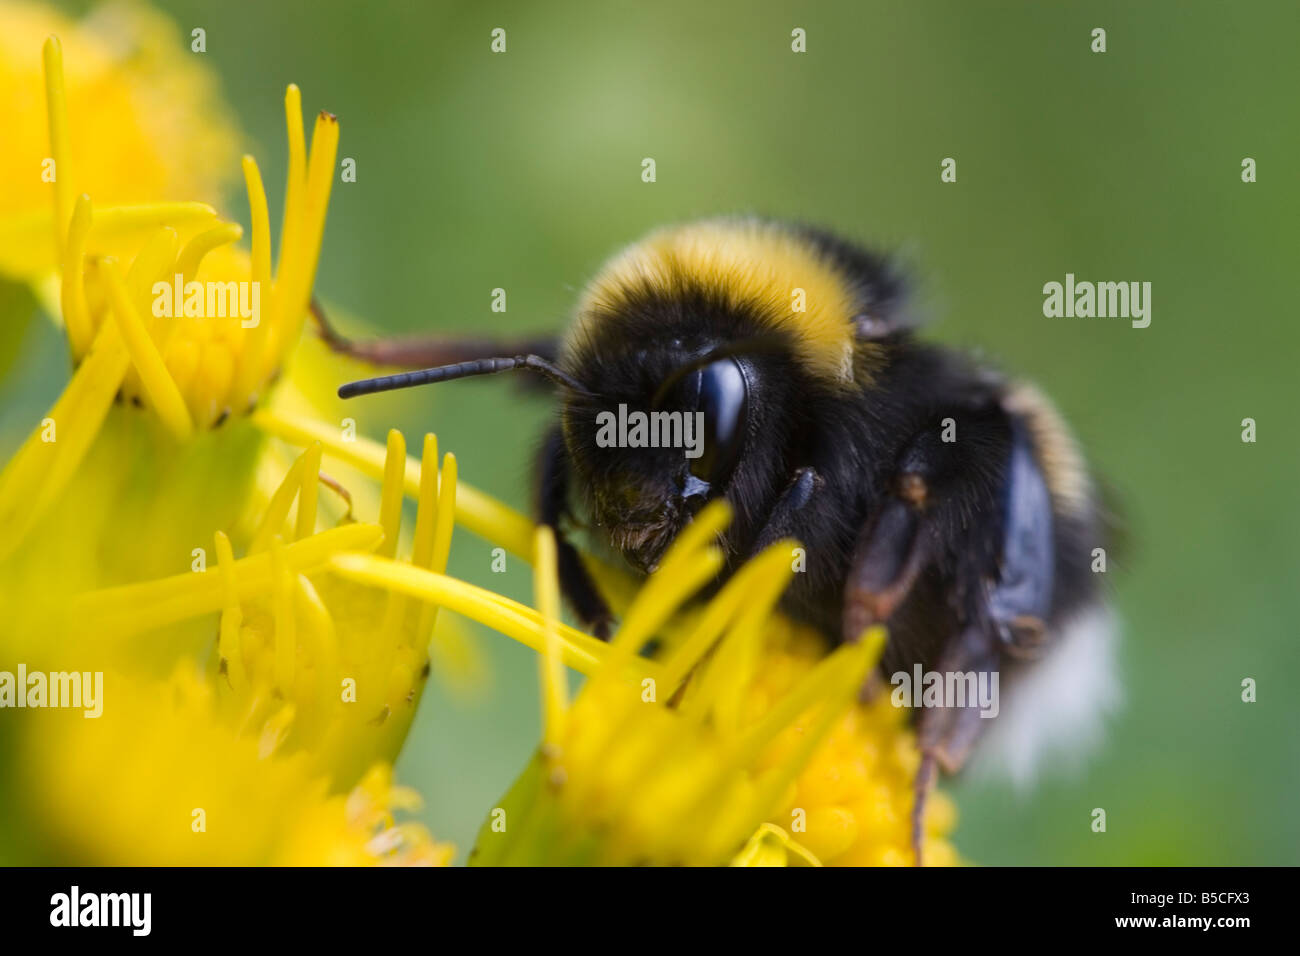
<point x="522" y="171"/>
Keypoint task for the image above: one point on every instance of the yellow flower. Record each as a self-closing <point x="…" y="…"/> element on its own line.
<point x="103" y="492"/>
<point x="149" y="448"/>
<point x="162" y="778"/>
<point x="325" y="666"/>
<point x="133" y="93"/>
<point x="668" y="768"/>
<point x="201" y="360"/>
<point x="148" y="451"/>
<point x="279" y="752"/>
<point x="742" y="722"/>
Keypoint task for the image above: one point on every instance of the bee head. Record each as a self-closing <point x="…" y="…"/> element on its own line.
<point x="665" y="430"/>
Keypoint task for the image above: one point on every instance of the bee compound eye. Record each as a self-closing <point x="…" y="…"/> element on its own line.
<point x="723" y="405"/>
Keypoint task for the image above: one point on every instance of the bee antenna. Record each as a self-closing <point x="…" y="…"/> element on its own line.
<point x="446" y="373"/>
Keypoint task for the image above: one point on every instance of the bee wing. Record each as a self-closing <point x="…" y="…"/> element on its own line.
<point x="1021" y="600"/>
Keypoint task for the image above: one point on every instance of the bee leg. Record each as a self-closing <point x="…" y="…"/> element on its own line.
<point x="553" y="506"/>
<point x="425" y="351"/>
<point x="783" y="522"/>
<point x="940" y="490"/>
<point x="921" y="786"/>
<point x="890" y="554"/>
<point x="945" y="734"/>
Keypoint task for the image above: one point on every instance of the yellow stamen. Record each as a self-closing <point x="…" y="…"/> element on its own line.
<point x="478" y="512"/>
<point x="286" y="621"/>
<point x="297" y="269"/>
<point x="320" y="181"/>
<point x="232" y="616"/>
<point x="156" y="258"/>
<point x="275" y="730"/>
<point x="158" y="254"/>
<point x="249" y="378"/>
<point x="136" y="608"/>
<point x="76" y="313"/>
<point x="157" y="381"/>
<point x="451" y="648"/>
<point x="721" y="611"/>
<point x="277" y="509"/>
<point x="390" y="519"/>
<point x="730" y="673"/>
<point x="427" y="517"/>
<point x="772" y="846"/>
<point x="113" y="221"/>
<point x="675" y="585"/>
<point x="319" y="629"/>
<point x="296" y="178"/>
<point x="41" y="468"/>
<point x="187" y="263"/>
<point x="426" y="511"/>
<point x="555" y="691"/>
<point x="445" y="524"/>
<point x="114" y="226"/>
<point x="390" y="499"/>
<point x="308" y="492"/>
<point x="56" y="105"/>
<point x="689" y="563"/>
<point x="261" y="220"/>
<point x="510" y="618"/>
<point x="704" y="528"/>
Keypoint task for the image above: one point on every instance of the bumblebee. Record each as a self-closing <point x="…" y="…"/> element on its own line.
<point x="930" y="493"/>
